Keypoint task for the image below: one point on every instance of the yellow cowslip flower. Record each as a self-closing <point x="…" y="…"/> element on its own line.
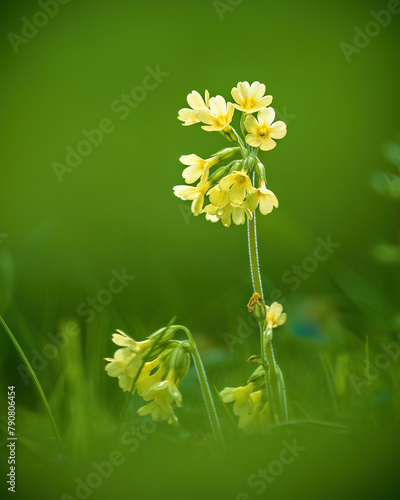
<point x="217" y="116"/>
<point x="195" y="194"/>
<point x="159" y="411"/>
<point x="258" y="418"/>
<point x="195" y="101"/>
<point x="250" y="406"/>
<point x="163" y="393"/>
<point x="275" y="317"/>
<point x="125" y="365"/>
<point x="146" y="380"/>
<point x="221" y="208"/>
<point x="262" y="198"/>
<point x="237" y="185"/>
<point x="250" y="98"/>
<point x="262" y="130"/>
<point x="127" y="361"/>
<point x="217" y="196"/>
<point x="197" y="166"/>
<point x="163" y="390"/>
<point x="227" y="213"/>
<point x="241" y="396"/>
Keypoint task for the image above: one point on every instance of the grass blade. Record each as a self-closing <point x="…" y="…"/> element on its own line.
<point x="34" y="377"/>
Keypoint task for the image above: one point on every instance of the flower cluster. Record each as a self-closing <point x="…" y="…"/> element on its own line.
<point x="235" y="190"/>
<point x="154" y="368"/>
<point x="250" y="403"/>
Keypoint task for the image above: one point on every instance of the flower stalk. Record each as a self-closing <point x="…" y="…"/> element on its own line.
<point x="234" y="193"/>
<point x="205" y="389"/>
<point x="274" y="378"/>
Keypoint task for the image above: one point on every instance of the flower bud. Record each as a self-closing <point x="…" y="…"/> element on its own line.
<point x="178" y="360"/>
<point x="258" y="375"/>
<point x="237" y="166"/>
<point x="260" y="170"/>
<point x="257" y="307"/>
<point x="159" y="341"/>
<point x="230" y="134"/>
<point x="249" y="164"/>
<point x="226" y="153"/>
<point x="164" y="334"/>
<point x="219" y="173"/>
<point x="268" y="335"/>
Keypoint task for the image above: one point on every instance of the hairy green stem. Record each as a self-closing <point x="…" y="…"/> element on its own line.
<point x="34" y="377"/>
<point x="274" y="379"/>
<point x="268" y="382"/>
<point x="205" y="389"/>
<point x="253" y="254"/>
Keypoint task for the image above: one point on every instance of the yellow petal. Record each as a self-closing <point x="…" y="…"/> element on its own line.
<point x="195" y="100"/>
<point x="253" y="140"/>
<point x="267" y="144"/>
<point x="251" y="124"/>
<point x="266" y="116"/>
<point x="278" y="130"/>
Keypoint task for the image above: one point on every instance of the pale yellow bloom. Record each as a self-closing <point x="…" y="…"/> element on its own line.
<point x="125" y="365"/>
<point x="237" y="185"/>
<point x="195" y="101"/>
<point x="223" y="209"/>
<point x="250" y="407"/>
<point x="258" y="419"/>
<point x="217" y="197"/>
<point x="275" y="316"/>
<point x="127" y="361"/>
<point x="262" y="130"/>
<point x="263" y="198"/>
<point x="217" y="116"/>
<point x="159" y="411"/>
<point x="227" y="213"/>
<point x="241" y="396"/>
<point x="195" y="194"/>
<point x="145" y="380"/>
<point x="197" y="166"/>
<point x="163" y="393"/>
<point x="250" y="98"/>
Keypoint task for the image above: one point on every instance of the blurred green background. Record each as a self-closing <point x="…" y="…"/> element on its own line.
<point x="62" y="241"/>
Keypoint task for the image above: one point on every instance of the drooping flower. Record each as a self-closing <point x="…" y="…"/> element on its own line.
<point x="238" y="185"/>
<point x="262" y="198"/>
<point x="250" y="404"/>
<point x="195" y="101"/>
<point x="147" y="379"/>
<point x="164" y="390"/>
<point x="227" y="213"/>
<point x="196" y="166"/>
<point x="221" y="208"/>
<point x="217" y="116"/>
<point x="262" y="131"/>
<point x="127" y="361"/>
<point x="250" y="98"/>
<point x="241" y="396"/>
<point x="275" y="317"/>
<point x="258" y="419"/>
<point x="159" y="411"/>
<point x="195" y="194"/>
